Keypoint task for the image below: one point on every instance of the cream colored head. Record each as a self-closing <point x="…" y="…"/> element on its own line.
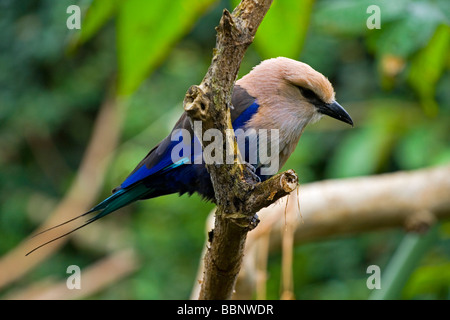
<point x="285" y="72"/>
<point x="292" y="89"/>
<point x="290" y="95"/>
<point x="284" y="76"/>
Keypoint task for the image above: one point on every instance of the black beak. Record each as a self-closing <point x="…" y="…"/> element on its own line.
<point x="335" y="110"/>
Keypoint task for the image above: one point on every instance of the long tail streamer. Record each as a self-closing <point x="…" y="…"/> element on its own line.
<point x="116" y="201"/>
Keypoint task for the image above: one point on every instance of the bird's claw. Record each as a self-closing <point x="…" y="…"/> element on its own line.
<point x="253" y="222"/>
<point x="252" y="172"/>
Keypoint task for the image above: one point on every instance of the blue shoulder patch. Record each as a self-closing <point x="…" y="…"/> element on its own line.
<point x="246" y="115"/>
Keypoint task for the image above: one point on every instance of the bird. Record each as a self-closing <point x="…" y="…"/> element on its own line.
<point x="279" y="94"/>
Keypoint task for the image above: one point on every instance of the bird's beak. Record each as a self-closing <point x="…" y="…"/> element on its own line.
<point x="335" y="110"/>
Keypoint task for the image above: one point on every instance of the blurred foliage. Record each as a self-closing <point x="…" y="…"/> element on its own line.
<point x="285" y="25"/>
<point x="393" y="81"/>
<point x="165" y="21"/>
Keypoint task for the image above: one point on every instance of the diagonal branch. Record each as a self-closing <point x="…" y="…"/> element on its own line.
<point x="237" y="193"/>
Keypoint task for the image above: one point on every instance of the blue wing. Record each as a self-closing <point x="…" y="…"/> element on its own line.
<point x="165" y="175"/>
<point x="158" y="173"/>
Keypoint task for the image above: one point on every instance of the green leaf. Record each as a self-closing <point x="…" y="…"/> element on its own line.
<point x="99" y="12"/>
<point x="283" y="30"/>
<point x="146" y="30"/>
<point x="426" y="143"/>
<point x="358" y="155"/>
<point x="428" y="279"/>
<point x="427" y="67"/>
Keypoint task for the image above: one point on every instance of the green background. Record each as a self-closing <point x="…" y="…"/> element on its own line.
<point x="393" y="81"/>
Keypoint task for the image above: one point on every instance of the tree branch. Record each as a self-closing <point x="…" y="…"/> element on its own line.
<point x="238" y="196"/>
<point x="413" y="200"/>
<point x="409" y="199"/>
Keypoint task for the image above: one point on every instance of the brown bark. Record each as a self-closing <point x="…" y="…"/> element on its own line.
<point x="238" y="195"/>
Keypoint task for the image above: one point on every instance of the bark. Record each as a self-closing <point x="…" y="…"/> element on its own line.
<point x="238" y="195"/>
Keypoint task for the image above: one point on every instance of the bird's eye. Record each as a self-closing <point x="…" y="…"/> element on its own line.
<point x="308" y="94"/>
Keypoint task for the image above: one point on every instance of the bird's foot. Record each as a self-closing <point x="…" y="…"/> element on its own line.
<point x="251" y="172"/>
<point x="254" y="222"/>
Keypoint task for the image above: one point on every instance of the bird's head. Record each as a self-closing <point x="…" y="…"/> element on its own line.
<point x="295" y="89"/>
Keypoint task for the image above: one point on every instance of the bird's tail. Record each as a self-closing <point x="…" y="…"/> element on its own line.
<point x="116" y="201"/>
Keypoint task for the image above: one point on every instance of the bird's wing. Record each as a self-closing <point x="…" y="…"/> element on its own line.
<point x="158" y="161"/>
<point x="159" y="158"/>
